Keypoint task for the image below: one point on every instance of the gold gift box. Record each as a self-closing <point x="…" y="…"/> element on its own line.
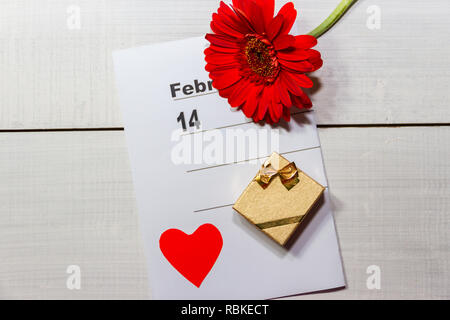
<point x="278" y="198"/>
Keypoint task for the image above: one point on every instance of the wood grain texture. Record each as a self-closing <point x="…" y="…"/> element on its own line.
<point x="54" y="77"/>
<point x="67" y="198"/>
<point x="391" y="193"/>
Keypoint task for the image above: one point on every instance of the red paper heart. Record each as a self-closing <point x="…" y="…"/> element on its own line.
<point x="192" y="255"/>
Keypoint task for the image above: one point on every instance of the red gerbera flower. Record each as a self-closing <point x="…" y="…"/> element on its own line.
<point x="255" y="63"/>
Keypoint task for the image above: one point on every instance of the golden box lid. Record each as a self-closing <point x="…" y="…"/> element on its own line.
<point x="275" y="210"/>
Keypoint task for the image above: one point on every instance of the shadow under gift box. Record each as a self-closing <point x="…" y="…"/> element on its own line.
<point x="275" y="210"/>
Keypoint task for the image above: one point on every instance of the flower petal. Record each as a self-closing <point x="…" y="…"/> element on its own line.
<point x="239" y="95"/>
<point x="220" y="28"/>
<point x="293" y="54"/>
<point x="289" y="14"/>
<point x="221" y="58"/>
<point x="275" y="110"/>
<point x="227" y="92"/>
<point x="313" y="54"/>
<point x="283" y="93"/>
<point x="276" y="94"/>
<point x="315" y="59"/>
<point x="222" y="41"/>
<point x="301" y="101"/>
<point x="268" y="119"/>
<point x="222" y="49"/>
<point x="228" y="16"/>
<point x="274" y="27"/>
<point x="239" y="4"/>
<point x="250" y="105"/>
<point x="212" y="67"/>
<point x="244" y="18"/>
<point x="224" y="82"/>
<point x="316" y="63"/>
<point x="264" y="102"/>
<point x="290" y="83"/>
<point x="283" y="42"/>
<point x="302" y="80"/>
<point x="287" y="114"/>
<point x="213" y="75"/>
<point x="271" y="110"/>
<point x="297" y="66"/>
<point x="256" y="16"/>
<point x="305" y="41"/>
<point x="268" y="10"/>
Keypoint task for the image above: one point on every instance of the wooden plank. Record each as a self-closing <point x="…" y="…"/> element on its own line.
<point x="66" y="198"/>
<point x="391" y="193"/>
<point x="54" y="76"/>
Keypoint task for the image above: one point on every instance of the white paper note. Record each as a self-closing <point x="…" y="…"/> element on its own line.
<point x="160" y="87"/>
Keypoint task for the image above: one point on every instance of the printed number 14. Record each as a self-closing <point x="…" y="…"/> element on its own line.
<point x="193" y="121"/>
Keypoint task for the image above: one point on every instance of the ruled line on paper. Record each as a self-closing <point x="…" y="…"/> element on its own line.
<point x="253" y="159"/>
<point x="194" y="96"/>
<point x="212" y="208"/>
<point x="223" y="206"/>
<point x="240" y="124"/>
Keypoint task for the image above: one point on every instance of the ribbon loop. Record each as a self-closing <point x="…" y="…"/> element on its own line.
<point x="287" y="174"/>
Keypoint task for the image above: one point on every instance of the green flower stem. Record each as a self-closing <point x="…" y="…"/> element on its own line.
<point x="333" y="18"/>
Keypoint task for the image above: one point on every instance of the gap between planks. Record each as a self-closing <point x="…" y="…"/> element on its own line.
<point x="323" y="126"/>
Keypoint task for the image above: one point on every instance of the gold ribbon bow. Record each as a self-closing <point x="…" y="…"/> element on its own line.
<point x="287" y="174"/>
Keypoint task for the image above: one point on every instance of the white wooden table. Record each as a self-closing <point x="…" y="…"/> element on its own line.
<point x="66" y="196"/>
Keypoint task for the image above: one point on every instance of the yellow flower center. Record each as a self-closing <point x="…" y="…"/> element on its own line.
<point x="261" y="58"/>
